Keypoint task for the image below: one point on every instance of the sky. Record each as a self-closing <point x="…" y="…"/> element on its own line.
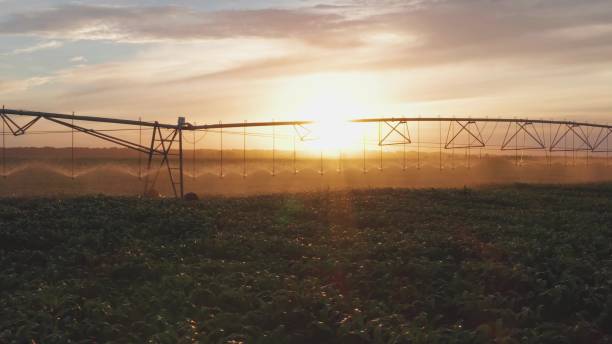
<point x="298" y="59"/>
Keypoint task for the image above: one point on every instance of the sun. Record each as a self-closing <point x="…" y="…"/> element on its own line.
<point x="332" y="129"/>
<point x="331" y="101"/>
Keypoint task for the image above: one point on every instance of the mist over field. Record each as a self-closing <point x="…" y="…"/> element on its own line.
<point x="49" y="171"/>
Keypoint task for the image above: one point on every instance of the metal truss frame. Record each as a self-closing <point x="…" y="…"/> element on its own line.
<point x="570" y="128"/>
<point x="161" y="146"/>
<point x="464" y="127"/>
<point x="404" y="134"/>
<point x="166" y="143"/>
<point x="602" y="136"/>
<point x="15" y="128"/>
<point x="106" y="137"/>
<point x="303" y="132"/>
<point x="529" y="129"/>
<point x="158" y="140"/>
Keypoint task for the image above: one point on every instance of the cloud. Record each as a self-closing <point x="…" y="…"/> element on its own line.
<point x="481" y="29"/>
<point x="37" y="47"/>
<point x="15" y="86"/>
<point x="523" y="51"/>
<point x="78" y="59"/>
<point x="426" y="32"/>
<point x="166" y="23"/>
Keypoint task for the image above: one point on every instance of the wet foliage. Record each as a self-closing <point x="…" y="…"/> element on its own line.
<point x="517" y="264"/>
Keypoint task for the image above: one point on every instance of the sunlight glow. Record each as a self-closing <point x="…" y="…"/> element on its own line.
<point x="332" y="100"/>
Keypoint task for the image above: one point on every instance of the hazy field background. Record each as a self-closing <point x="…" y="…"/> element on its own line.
<point x="50" y="171"/>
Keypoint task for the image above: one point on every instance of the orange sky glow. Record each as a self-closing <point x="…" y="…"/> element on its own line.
<point x="327" y="60"/>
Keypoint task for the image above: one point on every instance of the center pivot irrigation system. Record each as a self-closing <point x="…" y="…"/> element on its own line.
<point x="166" y="145"/>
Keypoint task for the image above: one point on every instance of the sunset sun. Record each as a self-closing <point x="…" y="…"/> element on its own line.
<point x="331" y="101"/>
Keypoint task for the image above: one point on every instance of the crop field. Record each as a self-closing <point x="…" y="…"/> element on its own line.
<point x="507" y="264"/>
